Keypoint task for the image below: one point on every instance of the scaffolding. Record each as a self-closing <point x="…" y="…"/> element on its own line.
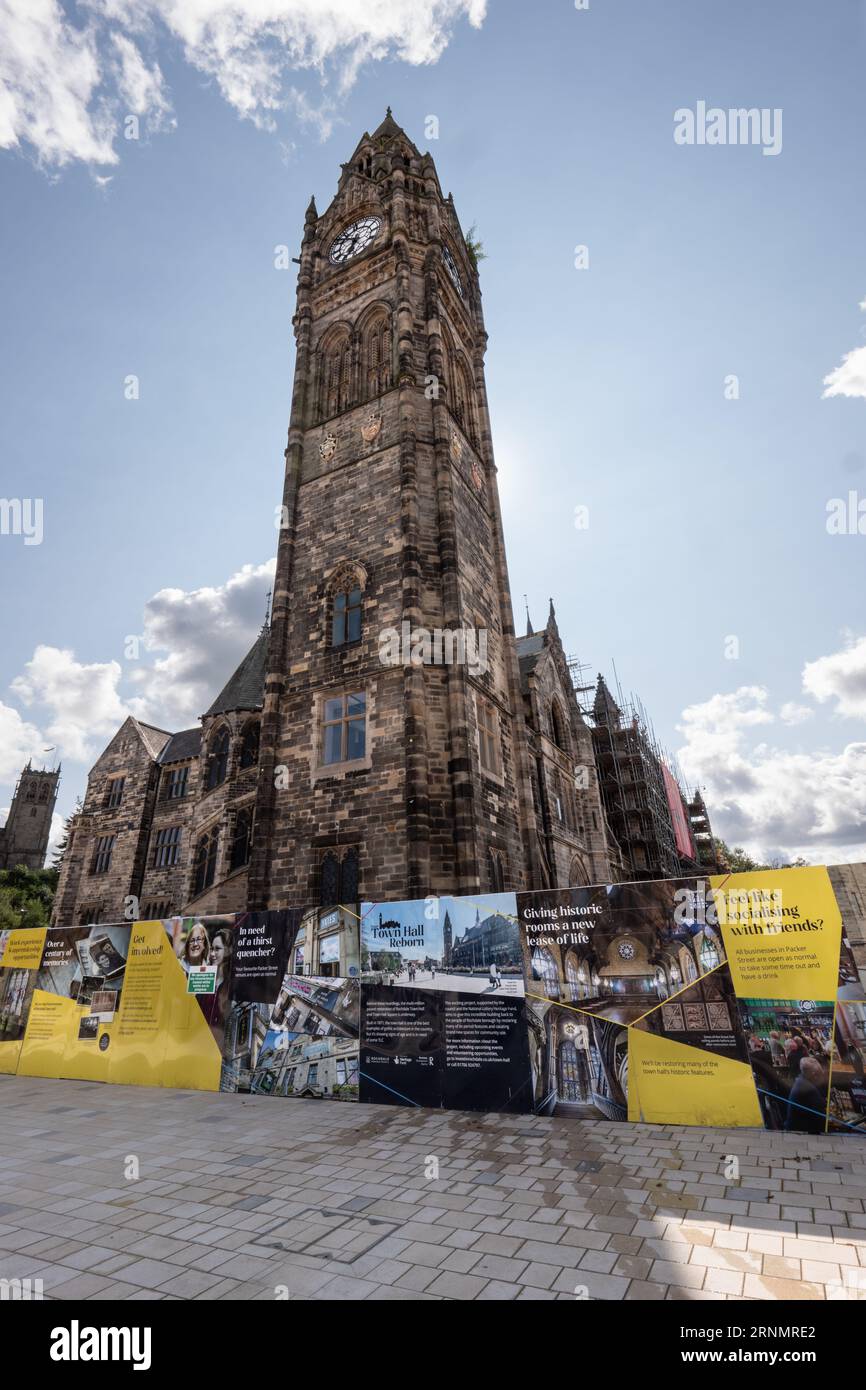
<point x="629" y="761"/>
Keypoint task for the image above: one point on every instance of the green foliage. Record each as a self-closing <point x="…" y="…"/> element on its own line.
<point x="26" y="896"/>
<point x="474" y="246"/>
<point x="61" y="846"/>
<point x="736" y="861"/>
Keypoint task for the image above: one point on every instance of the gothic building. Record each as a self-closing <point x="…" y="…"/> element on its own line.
<point x="24" y="837"/>
<point x="387" y="736"/>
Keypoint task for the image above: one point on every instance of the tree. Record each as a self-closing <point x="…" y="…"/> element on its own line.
<point x="474" y="247"/>
<point x="63" y="842"/>
<point x="739" y="861"/>
<point x="26" y="896"/>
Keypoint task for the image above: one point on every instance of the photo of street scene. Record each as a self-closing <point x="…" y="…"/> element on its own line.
<point x="791" y="1051"/>
<point x="469" y="945"/>
<point x="304" y="1044"/>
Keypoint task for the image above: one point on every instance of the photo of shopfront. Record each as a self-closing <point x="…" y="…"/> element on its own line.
<point x="326" y="944"/>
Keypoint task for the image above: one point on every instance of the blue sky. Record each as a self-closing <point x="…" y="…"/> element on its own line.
<point x="707" y="516"/>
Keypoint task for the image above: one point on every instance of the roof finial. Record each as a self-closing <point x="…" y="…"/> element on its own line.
<point x="387" y="110"/>
<point x="528" y="619"/>
<point x="267" y="622"/>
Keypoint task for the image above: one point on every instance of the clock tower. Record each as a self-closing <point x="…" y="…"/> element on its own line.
<point x="394" y="759"/>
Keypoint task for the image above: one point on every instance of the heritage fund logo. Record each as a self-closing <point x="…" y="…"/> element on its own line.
<point x="737" y="126"/>
<point x="421" y="646"/>
<point x="77" y="1343"/>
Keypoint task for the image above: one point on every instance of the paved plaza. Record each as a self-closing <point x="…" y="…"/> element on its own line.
<point x="245" y="1197"/>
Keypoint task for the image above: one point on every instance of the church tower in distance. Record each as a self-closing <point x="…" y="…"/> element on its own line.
<point x="394" y="759"/>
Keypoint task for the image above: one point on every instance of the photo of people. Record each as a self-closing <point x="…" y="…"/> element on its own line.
<point x="88" y="1028"/>
<point x="204" y="947"/>
<point x="848" y="1072"/>
<point x="791" y="1050"/>
<point x="469" y="945"/>
<point x="80" y="961"/>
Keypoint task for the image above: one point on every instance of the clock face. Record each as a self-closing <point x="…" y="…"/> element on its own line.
<point x="626" y="950"/>
<point x="353" y="240"/>
<point x="451" y="267"/>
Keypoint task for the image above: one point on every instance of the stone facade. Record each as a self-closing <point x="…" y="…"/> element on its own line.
<point x="405" y="742"/>
<point x="24" y="837"/>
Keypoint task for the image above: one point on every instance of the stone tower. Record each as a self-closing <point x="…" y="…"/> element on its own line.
<point x="393" y="764"/>
<point x="24" y="837"/>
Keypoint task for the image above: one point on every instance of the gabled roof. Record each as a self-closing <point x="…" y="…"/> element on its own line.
<point x="186" y="744"/>
<point x="246" y="688"/>
<point x="153" y="739"/>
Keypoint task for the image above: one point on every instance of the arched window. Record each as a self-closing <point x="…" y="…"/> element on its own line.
<point x="218" y="758"/>
<point x="345" y="604"/>
<point x="346" y="608"/>
<point x="241" y="839"/>
<point x="205" y="861"/>
<point x="338" y="881"/>
<point x="576" y="980"/>
<point x="544" y="969"/>
<point x="250" y="744"/>
<point x="497" y="877"/>
<point x="376" y="356"/>
<point x="335" y="374"/>
<point x="557" y="726"/>
<point x="570" y="1088"/>
<point x="462" y="397"/>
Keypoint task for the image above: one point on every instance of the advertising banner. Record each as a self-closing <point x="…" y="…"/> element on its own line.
<point x="731" y="1000"/>
<point x="443" y="1012"/>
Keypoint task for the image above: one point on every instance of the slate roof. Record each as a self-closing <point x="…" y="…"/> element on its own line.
<point x="246" y="688"/>
<point x="154" y="739"/>
<point x="529" y="649"/>
<point x="186" y="744"/>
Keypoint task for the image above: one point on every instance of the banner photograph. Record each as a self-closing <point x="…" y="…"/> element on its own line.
<point x="730" y="1000"/>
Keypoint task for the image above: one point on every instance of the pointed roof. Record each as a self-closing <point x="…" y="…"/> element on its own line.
<point x="605" y="708"/>
<point x="245" y="689"/>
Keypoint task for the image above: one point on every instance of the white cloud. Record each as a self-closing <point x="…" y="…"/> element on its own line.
<point x="50" y="77"/>
<point x="840" y="677"/>
<point x="849" y="378"/>
<point x="792" y="713"/>
<point x="141" y="88"/>
<point x="19" y="741"/>
<point x="195" y="639"/>
<point x="63" y="87"/>
<point x="81" y="699"/>
<point x="201" y="636"/>
<point x="776" y="802"/>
